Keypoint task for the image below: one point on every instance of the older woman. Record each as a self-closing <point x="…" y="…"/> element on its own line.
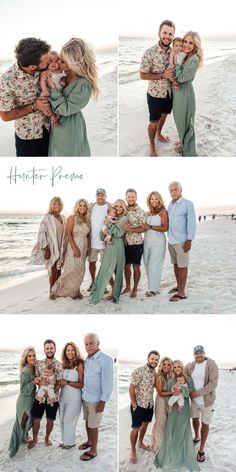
<point x="165" y="371"/>
<point x="78" y="233"/>
<point x="177" y="449"/>
<point x="184" y="106"/>
<point x="25" y="400"/>
<point x="51" y="244"/>
<point x="71" y="396"/>
<point x="70" y="137"/>
<point x="155" y="241"/>
<point x="113" y="260"/>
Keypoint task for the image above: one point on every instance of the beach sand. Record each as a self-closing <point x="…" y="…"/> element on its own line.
<point x="220" y="450"/>
<point x="54" y="459"/>
<point x="215" y="116"/>
<point x="211" y="285"/>
<point x="101" y="122"/>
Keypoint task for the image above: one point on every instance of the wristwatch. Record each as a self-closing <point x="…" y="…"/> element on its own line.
<point x="33" y="109"/>
<point x="150" y="226"/>
<point x="67" y="382"/>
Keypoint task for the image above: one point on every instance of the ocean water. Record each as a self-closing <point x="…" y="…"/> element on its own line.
<point x="18" y="234"/>
<point x="9" y="373"/>
<point x="132" y="49"/>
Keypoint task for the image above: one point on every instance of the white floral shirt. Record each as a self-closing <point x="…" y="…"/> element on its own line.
<point x="136" y="217"/>
<point x="144" y="379"/>
<point x="58" y="373"/>
<point x="155" y="60"/>
<point x="18" y="89"/>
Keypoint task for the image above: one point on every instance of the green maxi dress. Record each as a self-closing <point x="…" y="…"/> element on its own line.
<point x="113" y="261"/>
<point x="177" y="449"/>
<point x="23" y="405"/>
<point x="70" y="138"/>
<point x="184" y="105"/>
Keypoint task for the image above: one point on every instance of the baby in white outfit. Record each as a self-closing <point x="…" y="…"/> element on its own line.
<point x="49" y="376"/>
<point x="179" y="399"/>
<point x="58" y="77"/>
<point x="110" y="218"/>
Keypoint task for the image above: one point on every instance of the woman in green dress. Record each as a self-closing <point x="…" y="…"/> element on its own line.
<point x="113" y="260"/>
<point x="25" y="400"/>
<point x="70" y="137"/>
<point x="177" y="449"/>
<point x="184" y="105"/>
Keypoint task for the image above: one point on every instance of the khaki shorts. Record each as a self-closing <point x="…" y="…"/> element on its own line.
<point x="178" y="256"/>
<point x="90" y="415"/>
<point x="93" y="256"/>
<point x="203" y="412"/>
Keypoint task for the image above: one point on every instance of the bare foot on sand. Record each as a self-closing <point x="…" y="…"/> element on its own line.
<point x="143" y="446"/>
<point x="133" y="293"/>
<point x="109" y="298"/>
<point x="31" y="444"/>
<point x="163" y="138"/>
<point x="48" y="442"/>
<point x="133" y="458"/>
<point x="126" y="290"/>
<point x="153" y="152"/>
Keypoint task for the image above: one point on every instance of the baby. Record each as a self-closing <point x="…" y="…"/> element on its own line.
<point x="49" y="376"/>
<point x="58" y="77"/>
<point x="179" y="399"/>
<point x="111" y="218"/>
<point x="177" y="56"/>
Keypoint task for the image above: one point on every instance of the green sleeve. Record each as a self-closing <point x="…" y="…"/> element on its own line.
<point x="187" y="71"/>
<point x="26" y="385"/>
<point x="77" y="99"/>
<point x="116" y="230"/>
<point x="185" y="391"/>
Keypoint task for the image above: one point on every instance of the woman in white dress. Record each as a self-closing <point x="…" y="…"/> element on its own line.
<point x="52" y="241"/>
<point x="165" y="372"/>
<point x="78" y="233"/>
<point x="155" y="242"/>
<point x="71" y="393"/>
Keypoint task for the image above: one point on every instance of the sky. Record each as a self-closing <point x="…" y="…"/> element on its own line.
<point x="34" y="329"/>
<point x="201" y="179"/>
<point x="208" y="18"/>
<point x="56" y="22"/>
<point x="176" y="335"/>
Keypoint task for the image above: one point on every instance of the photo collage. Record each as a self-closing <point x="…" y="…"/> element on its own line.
<point x="118" y="237"/>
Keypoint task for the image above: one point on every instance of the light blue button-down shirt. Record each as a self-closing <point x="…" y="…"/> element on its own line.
<point x="98" y="378"/>
<point x="182" y="221"/>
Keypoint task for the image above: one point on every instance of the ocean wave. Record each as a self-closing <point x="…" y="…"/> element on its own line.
<point x="9" y="382"/>
<point x="19" y="272"/>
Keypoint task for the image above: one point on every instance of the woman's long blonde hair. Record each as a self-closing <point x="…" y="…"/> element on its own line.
<point x="122" y="203"/>
<point x="79" y="218"/>
<point x="176" y="361"/>
<point x="24" y="355"/>
<point x="81" y="60"/>
<point x="78" y="357"/>
<point x="198" y="45"/>
<point x="161" y="204"/>
<point x="160" y="372"/>
<point x="55" y="199"/>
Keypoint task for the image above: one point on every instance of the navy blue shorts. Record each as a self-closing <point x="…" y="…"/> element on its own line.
<point x="157" y="106"/>
<point x="32" y="147"/>
<point x="38" y="410"/>
<point x="133" y="254"/>
<point x="141" y="415"/>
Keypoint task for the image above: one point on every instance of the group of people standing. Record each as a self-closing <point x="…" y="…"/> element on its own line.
<point x="116" y="233"/>
<point x="181" y="393"/>
<point x="67" y="385"/>
<point x="170" y="73"/>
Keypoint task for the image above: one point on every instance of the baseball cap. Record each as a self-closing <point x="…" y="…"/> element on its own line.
<point x="101" y="190"/>
<point x="198" y="349"/>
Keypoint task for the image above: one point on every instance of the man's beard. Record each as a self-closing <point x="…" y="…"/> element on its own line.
<point x="165" y="45"/>
<point x="151" y="367"/>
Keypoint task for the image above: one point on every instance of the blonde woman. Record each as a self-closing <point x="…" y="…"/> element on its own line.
<point x="25" y="400"/>
<point x="79" y="63"/>
<point x="51" y="243"/>
<point x="177" y="449"/>
<point x="184" y="105"/>
<point x="71" y="393"/>
<point x="154" y="247"/>
<point x="78" y="234"/>
<point x="165" y="372"/>
<point x="113" y="260"/>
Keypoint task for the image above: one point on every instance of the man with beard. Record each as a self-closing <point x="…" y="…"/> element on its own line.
<point x="141" y="395"/>
<point x="154" y="68"/>
<point x="19" y="98"/>
<point x="39" y="408"/>
<point x="133" y="241"/>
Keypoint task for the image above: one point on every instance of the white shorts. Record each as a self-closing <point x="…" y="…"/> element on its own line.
<point x="93" y="256"/>
<point x="203" y="412"/>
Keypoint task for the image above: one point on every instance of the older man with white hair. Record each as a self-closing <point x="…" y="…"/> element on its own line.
<point x="182" y="228"/>
<point x="98" y="383"/>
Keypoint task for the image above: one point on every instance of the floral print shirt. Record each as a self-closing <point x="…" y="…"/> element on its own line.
<point x="144" y="378"/>
<point x="18" y="89"/>
<point x="155" y="60"/>
<point x="136" y="217"/>
<point x="58" y="373"/>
